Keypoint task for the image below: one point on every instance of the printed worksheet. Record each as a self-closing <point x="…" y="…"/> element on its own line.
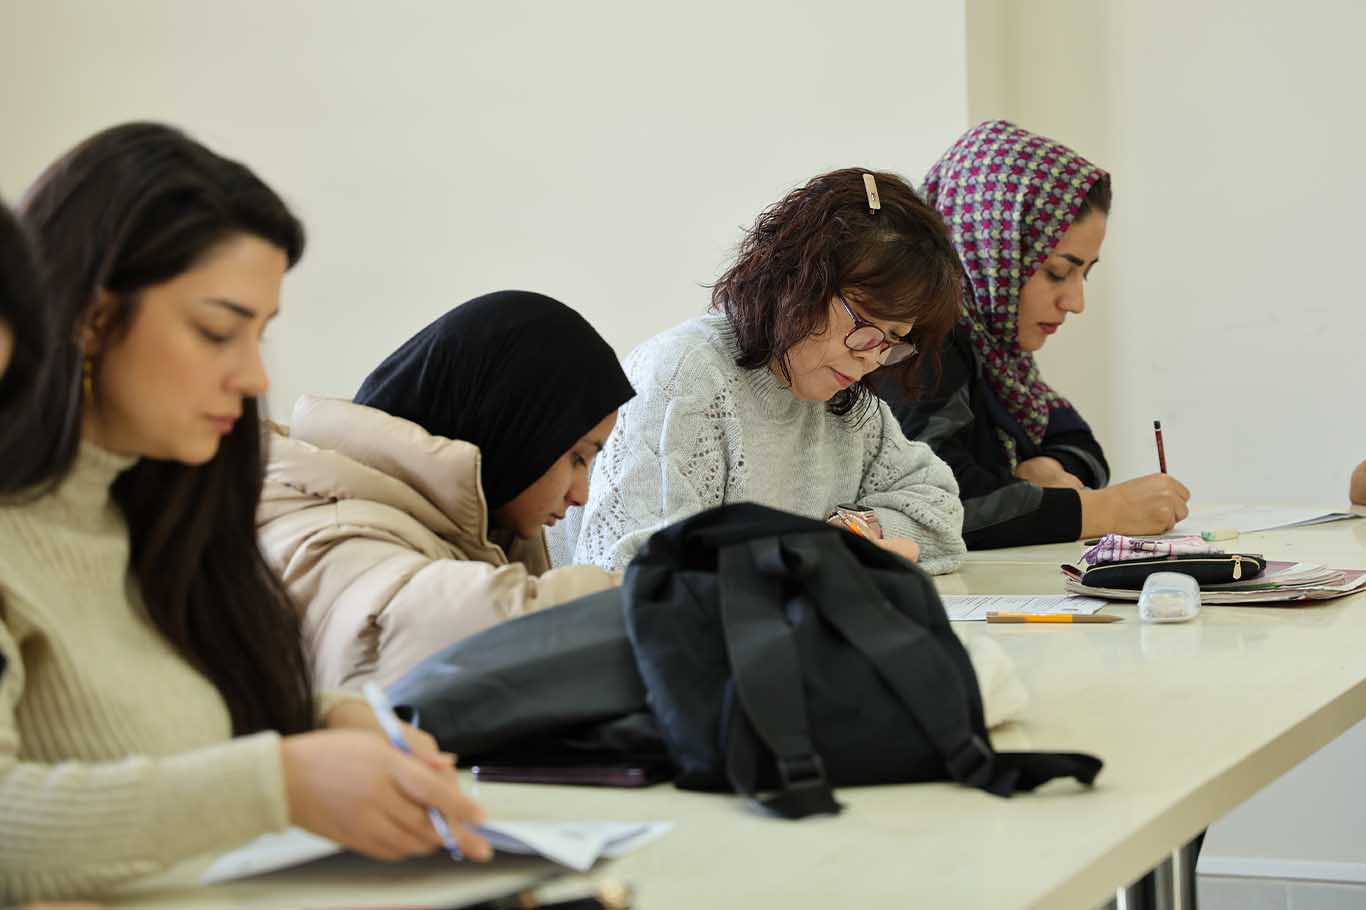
<point x="1247" y="519"/>
<point x="975" y="607"/>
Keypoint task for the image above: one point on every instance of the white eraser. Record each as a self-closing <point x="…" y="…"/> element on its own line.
<point x="1169" y="597"/>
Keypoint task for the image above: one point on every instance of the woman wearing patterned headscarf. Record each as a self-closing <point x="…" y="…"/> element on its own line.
<point x="1027" y="216"/>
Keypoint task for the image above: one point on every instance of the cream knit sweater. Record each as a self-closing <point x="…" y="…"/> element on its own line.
<point x="116" y="757"/>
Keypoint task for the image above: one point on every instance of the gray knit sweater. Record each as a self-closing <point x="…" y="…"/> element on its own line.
<point x="701" y="431"/>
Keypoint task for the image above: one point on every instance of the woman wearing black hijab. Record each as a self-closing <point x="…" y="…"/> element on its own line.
<point x="413" y="517"/>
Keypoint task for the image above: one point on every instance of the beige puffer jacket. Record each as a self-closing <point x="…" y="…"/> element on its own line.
<point x="378" y="529"/>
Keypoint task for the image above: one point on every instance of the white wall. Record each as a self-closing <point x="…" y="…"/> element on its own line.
<point x="1228" y="302"/>
<point x="605" y="153"/>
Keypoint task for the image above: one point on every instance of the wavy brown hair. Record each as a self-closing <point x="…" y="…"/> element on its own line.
<point x="821" y="239"/>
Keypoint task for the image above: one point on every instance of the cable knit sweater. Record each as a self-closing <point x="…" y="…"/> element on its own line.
<point x="117" y="757"/>
<point x="702" y="431"/>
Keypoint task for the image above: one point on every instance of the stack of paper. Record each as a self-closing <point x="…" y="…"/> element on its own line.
<point x="1281" y="582"/>
<point x="1249" y="519"/>
<point x="577" y="845"/>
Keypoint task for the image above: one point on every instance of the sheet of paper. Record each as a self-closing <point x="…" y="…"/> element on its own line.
<point x="1248" y="519"/>
<point x="267" y="853"/>
<point x="577" y="845"/>
<point x="975" y="607"/>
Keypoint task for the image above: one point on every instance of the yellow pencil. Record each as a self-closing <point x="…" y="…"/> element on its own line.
<point x="1052" y="617"/>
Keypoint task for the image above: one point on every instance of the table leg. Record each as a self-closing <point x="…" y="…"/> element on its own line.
<point x="1183" y="869"/>
<point x="1164" y="884"/>
<point x="1169" y="886"/>
<point x="1138" y="895"/>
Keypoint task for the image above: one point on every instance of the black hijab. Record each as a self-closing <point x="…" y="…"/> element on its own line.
<point x="518" y="374"/>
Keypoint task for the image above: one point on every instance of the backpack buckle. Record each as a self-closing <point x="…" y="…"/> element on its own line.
<point x="801" y="771"/>
<point x="972" y="763"/>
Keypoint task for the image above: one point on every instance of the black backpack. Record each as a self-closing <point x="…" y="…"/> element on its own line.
<point x="783" y="654"/>
<point x="756" y="650"/>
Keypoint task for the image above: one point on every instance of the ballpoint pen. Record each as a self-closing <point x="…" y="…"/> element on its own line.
<point x="850" y="525"/>
<point x="380" y="705"/>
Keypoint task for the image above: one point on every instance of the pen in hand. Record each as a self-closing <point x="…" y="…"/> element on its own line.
<point x="389" y="721"/>
<point x="852" y="526"/>
<point x="1161" y="454"/>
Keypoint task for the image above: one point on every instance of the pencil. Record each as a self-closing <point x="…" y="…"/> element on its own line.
<point x="1161" y="455"/>
<point x="1052" y="617"/>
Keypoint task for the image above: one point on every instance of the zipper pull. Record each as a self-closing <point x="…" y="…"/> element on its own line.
<point x="1237" y="568"/>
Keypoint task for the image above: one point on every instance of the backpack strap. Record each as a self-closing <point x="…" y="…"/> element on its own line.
<point x="921" y="675"/>
<point x="767" y="685"/>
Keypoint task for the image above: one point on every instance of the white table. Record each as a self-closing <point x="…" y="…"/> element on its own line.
<point x="1190" y="719"/>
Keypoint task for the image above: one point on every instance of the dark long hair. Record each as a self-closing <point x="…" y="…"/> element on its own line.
<point x="23" y="308"/>
<point x="131" y="207"/>
<point x="822" y="238"/>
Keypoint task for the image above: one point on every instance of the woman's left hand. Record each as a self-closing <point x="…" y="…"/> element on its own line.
<point x="901" y="546"/>
<point x="1047" y="472"/>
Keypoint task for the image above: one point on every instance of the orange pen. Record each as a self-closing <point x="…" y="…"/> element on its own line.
<point x="853" y="527"/>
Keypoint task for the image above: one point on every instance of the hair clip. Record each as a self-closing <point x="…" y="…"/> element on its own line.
<point x="870" y="185"/>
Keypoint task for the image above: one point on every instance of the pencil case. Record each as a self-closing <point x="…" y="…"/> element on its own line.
<point x="1205" y="568"/>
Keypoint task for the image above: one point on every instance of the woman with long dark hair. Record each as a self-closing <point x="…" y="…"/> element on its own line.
<point x="155" y="702"/>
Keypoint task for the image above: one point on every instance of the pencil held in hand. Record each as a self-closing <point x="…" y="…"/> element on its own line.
<point x="1161" y="453"/>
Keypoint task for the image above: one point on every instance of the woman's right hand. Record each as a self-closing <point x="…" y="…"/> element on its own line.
<point x="353" y="787"/>
<point x="1145" y="505"/>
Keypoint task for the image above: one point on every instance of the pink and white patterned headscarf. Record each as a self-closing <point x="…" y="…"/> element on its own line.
<point x="1007" y="197"/>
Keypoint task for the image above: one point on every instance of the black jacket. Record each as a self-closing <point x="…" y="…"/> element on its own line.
<point x="957" y="415"/>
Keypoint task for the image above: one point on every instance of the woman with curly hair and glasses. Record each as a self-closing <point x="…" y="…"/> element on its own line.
<point x="1028" y="217"/>
<point x="766" y="399"/>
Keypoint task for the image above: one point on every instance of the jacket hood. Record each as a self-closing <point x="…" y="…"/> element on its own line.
<point x="336" y="450"/>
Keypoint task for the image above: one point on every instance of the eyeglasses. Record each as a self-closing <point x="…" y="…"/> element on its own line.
<point x="865" y="336"/>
